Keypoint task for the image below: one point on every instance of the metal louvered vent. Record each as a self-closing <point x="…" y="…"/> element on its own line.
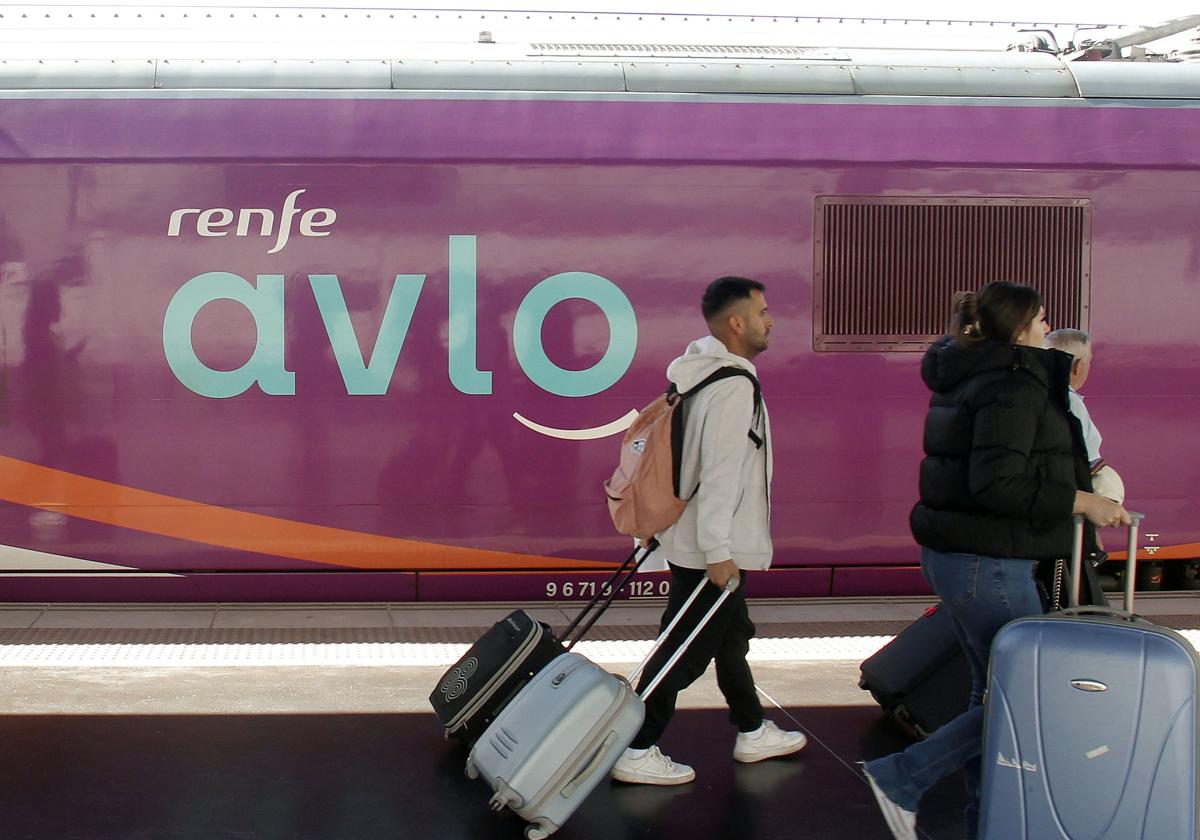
<point x="886" y="269"/>
<point x="684" y="51"/>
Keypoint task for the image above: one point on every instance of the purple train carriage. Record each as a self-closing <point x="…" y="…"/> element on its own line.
<point x="369" y="328"/>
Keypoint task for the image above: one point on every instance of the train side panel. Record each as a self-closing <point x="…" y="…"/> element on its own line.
<point x="405" y="351"/>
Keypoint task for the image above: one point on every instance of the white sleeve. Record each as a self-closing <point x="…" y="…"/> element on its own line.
<point x="723" y="451"/>
<point x="1091" y="435"/>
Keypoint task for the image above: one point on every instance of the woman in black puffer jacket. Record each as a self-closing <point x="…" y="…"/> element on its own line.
<point x="1004" y="470"/>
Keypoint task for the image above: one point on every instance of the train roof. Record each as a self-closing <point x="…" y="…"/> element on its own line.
<point x="90" y="50"/>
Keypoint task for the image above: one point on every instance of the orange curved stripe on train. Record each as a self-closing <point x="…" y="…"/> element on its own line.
<point x="115" y="504"/>
<point x="1183" y="551"/>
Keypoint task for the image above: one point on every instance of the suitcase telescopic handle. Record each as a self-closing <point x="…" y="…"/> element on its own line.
<point x="1130" y="562"/>
<point x="682" y="649"/>
<point x="607" y="593"/>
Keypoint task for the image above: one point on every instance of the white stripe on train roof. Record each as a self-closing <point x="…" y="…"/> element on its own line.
<point x="285" y="93"/>
<point x="399" y="654"/>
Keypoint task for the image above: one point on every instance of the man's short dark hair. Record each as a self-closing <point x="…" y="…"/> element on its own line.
<point x="724" y="291"/>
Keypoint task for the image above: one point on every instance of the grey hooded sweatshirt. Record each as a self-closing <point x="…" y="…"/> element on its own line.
<point x="726" y="477"/>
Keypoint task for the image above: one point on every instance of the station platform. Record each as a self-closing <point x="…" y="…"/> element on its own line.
<point x="214" y="721"/>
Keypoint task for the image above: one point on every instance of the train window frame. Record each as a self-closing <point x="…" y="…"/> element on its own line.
<point x="832" y="309"/>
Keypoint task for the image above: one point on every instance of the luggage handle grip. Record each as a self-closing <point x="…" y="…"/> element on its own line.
<point x="1130" y="562"/>
<point x="729" y="589"/>
<point x="595" y="762"/>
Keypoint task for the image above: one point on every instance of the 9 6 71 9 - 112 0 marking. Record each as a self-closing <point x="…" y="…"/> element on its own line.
<point x="589" y="589"/>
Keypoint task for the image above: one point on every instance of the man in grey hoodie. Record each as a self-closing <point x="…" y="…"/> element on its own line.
<point x="723" y="533"/>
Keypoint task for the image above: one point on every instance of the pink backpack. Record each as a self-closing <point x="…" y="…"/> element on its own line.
<point x="643" y="493"/>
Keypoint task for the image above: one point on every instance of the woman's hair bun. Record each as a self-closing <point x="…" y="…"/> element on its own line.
<point x="964" y="320"/>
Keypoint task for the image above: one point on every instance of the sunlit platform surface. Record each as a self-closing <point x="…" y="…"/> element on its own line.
<point x="311" y="722"/>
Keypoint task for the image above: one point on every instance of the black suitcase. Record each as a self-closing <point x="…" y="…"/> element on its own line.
<point x="506" y="657"/>
<point x="921" y="678"/>
<point x="490" y="674"/>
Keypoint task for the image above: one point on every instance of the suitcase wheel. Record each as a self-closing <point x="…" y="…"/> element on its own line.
<point x="472" y="771"/>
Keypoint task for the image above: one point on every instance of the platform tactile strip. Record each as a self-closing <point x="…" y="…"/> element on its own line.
<point x="385" y="647"/>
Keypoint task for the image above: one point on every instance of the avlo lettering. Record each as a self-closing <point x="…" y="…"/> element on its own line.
<point x="267" y="367"/>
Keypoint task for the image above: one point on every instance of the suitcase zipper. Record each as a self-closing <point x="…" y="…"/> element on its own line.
<point x="485" y="694"/>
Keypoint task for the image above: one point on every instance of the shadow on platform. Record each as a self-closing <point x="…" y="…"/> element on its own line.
<point x="362" y="777"/>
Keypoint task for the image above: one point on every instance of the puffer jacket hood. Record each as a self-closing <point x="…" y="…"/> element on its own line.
<point x="947" y="364"/>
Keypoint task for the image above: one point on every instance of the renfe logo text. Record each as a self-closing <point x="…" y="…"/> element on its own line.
<point x="214" y="222"/>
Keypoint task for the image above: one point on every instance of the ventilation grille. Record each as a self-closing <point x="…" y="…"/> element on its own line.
<point x="886" y="269"/>
<point x="684" y="51"/>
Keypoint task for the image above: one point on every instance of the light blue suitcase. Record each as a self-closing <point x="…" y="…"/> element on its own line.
<point x="563" y="732"/>
<point x="1090" y="730"/>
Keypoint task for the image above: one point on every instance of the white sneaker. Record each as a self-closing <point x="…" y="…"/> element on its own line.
<point x="653" y="768"/>
<point x="771" y="743"/>
<point x="903" y="824"/>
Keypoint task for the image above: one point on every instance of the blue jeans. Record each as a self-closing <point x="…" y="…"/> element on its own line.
<point x="981" y="595"/>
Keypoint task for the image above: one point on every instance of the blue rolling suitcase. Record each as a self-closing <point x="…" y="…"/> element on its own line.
<point x="1091" y="725"/>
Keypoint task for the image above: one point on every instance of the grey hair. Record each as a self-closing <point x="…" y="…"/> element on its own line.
<point x="1069" y="341"/>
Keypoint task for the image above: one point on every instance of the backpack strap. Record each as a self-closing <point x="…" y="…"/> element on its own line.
<point x="674" y="394"/>
<point x="726" y="373"/>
